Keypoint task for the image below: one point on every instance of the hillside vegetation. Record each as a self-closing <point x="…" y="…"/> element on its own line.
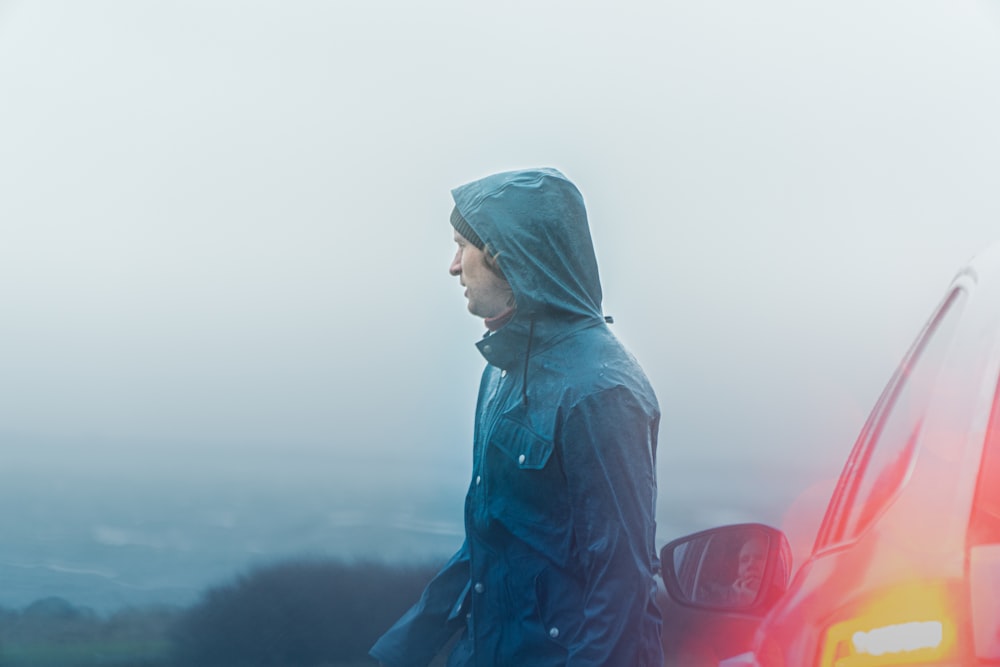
<point x="301" y="613"/>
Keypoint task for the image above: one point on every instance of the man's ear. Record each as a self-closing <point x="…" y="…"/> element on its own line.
<point x="492" y="260"/>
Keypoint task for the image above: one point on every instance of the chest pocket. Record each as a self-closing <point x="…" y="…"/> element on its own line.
<point x="525" y="448"/>
<point x="525" y="486"/>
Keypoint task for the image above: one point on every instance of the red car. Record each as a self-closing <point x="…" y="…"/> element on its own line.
<point x="905" y="569"/>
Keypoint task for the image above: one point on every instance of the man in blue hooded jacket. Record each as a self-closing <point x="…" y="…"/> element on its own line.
<point x="558" y="562"/>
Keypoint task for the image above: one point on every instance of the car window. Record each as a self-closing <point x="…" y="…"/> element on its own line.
<point x="689" y="559"/>
<point x="891" y="443"/>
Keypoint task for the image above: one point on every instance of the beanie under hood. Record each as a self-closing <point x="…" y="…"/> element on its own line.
<point x="463" y="228"/>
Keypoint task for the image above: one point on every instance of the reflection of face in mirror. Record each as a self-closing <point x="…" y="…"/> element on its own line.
<point x="750" y="570"/>
<point x="732" y="570"/>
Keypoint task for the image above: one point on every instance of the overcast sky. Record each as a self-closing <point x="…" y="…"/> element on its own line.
<point x="224" y="230"/>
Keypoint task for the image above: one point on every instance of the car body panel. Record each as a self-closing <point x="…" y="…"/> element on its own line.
<point x="909" y="565"/>
<point x="889" y="578"/>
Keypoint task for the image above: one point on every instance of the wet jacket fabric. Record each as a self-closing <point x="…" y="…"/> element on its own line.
<point x="558" y="562"/>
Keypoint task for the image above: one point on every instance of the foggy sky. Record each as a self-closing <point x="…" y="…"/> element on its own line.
<point x="225" y="241"/>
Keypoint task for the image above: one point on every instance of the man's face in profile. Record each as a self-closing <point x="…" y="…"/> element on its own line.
<point x="487" y="292"/>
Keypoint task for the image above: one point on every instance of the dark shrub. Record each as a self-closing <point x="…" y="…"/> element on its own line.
<point x="302" y="613"/>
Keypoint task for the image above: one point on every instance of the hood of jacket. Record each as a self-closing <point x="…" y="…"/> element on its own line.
<point x="535" y="222"/>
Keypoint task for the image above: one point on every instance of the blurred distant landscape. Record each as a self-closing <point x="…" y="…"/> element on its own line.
<point x="109" y="533"/>
<point x="299" y="613"/>
<point x="116" y="559"/>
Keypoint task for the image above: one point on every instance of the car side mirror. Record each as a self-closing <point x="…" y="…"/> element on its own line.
<point x="738" y="568"/>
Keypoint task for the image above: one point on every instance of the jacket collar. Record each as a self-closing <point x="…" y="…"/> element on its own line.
<point x="506" y="348"/>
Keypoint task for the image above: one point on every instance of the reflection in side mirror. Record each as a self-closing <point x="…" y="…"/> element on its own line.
<point x="743" y="567"/>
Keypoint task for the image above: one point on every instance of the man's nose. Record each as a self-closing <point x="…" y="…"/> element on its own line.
<point x="456" y="263"/>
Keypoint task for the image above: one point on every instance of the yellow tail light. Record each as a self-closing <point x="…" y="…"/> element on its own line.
<point x="909" y="626"/>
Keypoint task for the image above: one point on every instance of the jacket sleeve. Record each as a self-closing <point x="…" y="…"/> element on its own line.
<point x="609" y="450"/>
<point x="421" y="632"/>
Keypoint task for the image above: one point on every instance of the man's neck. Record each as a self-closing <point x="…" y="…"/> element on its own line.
<point x="494" y="323"/>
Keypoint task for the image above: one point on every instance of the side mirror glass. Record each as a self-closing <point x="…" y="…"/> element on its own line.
<point x="742" y="567"/>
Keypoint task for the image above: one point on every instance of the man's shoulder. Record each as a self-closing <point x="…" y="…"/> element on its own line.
<point x="589" y="366"/>
<point x="595" y="354"/>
